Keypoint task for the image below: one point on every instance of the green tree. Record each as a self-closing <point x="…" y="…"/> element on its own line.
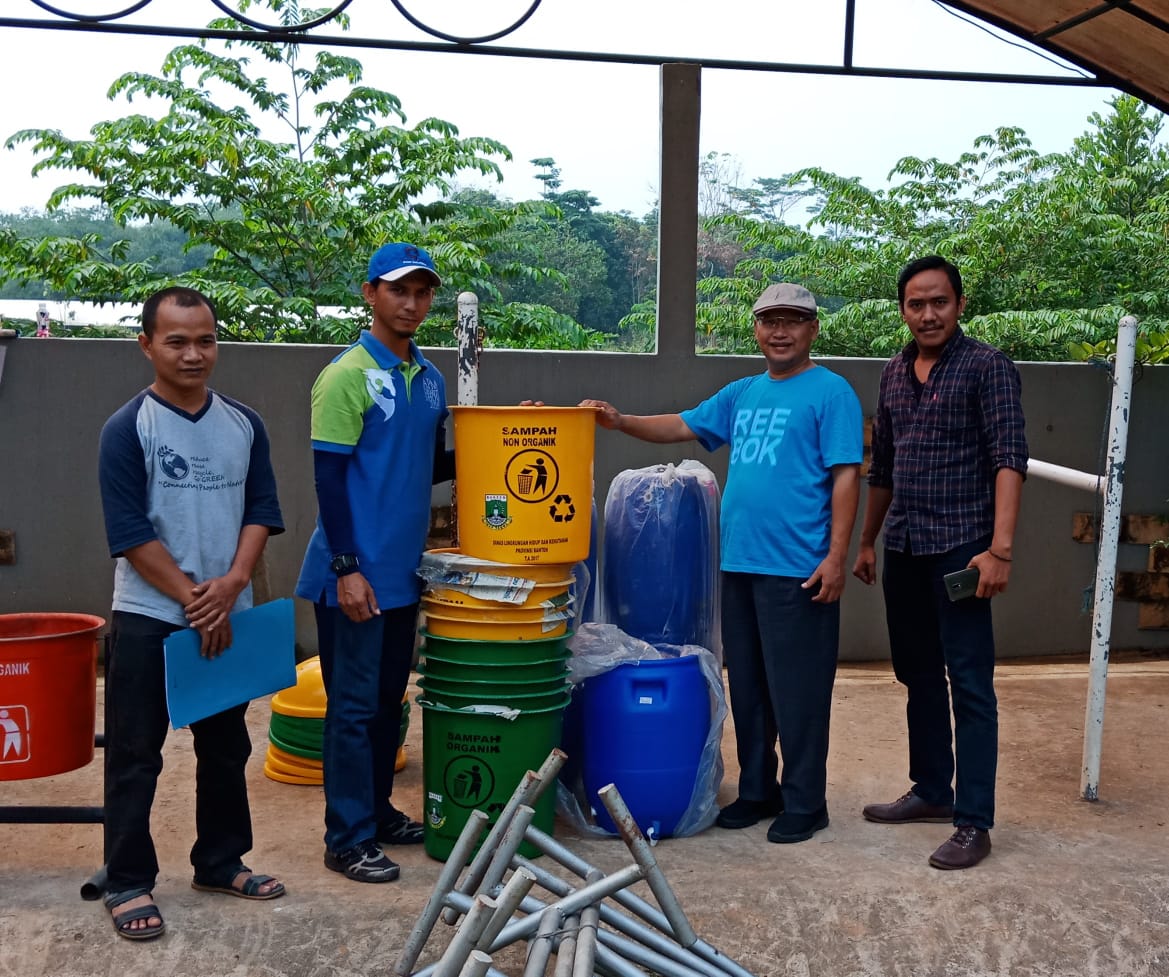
<point x="1053" y="249"/>
<point x="159" y="241"/>
<point x="287" y="222"/>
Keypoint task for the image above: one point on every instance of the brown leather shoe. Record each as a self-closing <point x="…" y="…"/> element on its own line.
<point x="967" y="847"/>
<point x="908" y="809"/>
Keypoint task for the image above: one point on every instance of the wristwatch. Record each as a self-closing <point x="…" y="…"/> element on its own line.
<point x="344" y="564"/>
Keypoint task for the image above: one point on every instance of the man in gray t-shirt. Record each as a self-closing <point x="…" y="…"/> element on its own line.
<point x="189" y="500"/>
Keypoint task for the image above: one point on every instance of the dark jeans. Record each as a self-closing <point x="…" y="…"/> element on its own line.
<point x="780" y="651"/>
<point x="932" y="637"/>
<point x="366" y="668"/>
<point x="136" y="725"/>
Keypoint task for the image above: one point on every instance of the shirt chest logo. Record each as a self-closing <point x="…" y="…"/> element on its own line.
<point x="174" y="465"/>
<point x="380" y="385"/>
<point x="757" y="435"/>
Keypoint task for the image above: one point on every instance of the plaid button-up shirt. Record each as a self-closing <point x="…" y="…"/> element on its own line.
<point x="939" y="445"/>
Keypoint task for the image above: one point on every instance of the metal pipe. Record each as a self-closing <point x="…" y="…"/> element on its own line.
<point x="606" y="959"/>
<point x="508" y="901"/>
<point x="467" y="331"/>
<point x="643" y="855"/>
<point x="646" y="958"/>
<point x="566" y="949"/>
<point x="39" y="814"/>
<point x="468" y="838"/>
<point x="1105" y="593"/>
<point x="1066" y="476"/>
<point x="632" y="928"/>
<point x="598" y="57"/>
<point x="540" y="949"/>
<point x="463" y="943"/>
<point x="584" y="962"/>
<point x="529" y="788"/>
<point x="477" y="965"/>
<point x="512" y="839"/>
<point x="634" y="903"/>
<point x="570" y="905"/>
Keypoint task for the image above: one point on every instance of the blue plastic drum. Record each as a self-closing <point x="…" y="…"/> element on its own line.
<point x="643" y="727"/>
<point x="657" y="567"/>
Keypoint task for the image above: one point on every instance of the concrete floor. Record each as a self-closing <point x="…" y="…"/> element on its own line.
<point x="1071" y="888"/>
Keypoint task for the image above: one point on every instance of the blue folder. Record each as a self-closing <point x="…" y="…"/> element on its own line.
<point x="260" y="660"/>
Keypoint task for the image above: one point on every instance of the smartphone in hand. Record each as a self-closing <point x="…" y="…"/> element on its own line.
<point x="961" y="583"/>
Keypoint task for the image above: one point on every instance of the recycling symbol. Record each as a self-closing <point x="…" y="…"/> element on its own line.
<point x="562" y="509"/>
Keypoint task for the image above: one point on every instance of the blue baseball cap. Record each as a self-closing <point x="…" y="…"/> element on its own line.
<point x="393" y="261"/>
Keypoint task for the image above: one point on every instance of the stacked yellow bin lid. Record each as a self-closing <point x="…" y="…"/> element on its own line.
<point x="297" y="727"/>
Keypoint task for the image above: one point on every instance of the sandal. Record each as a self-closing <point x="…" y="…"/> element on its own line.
<point x="123" y="919"/>
<point x="223" y="881"/>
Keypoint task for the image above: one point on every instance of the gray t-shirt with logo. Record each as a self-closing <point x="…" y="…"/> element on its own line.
<point x="190" y="481"/>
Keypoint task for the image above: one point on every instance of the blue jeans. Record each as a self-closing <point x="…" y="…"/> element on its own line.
<point x="136" y="724"/>
<point x="780" y="651"/>
<point x="932" y="638"/>
<point x="366" y="668"/>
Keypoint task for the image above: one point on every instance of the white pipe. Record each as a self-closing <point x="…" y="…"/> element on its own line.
<point x="1102" y="600"/>
<point x="468" y="335"/>
<point x="1066" y="476"/>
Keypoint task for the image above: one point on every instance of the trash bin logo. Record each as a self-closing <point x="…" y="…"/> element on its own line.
<point x="532" y="476"/>
<point x="468" y="781"/>
<point x="14" y="734"/>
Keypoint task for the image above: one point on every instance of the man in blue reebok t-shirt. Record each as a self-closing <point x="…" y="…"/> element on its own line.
<point x="791" y="497"/>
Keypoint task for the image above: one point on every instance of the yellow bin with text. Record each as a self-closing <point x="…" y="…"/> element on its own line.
<point x="524" y="488"/>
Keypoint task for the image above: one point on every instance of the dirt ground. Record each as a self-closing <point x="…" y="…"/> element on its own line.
<point x="1071" y="888"/>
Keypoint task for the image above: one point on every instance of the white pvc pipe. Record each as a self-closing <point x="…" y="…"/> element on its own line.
<point x="1065" y="476"/>
<point x="1106" y="563"/>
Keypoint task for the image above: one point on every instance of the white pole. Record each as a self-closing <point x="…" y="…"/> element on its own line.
<point x="1106" y="563"/>
<point x="468" y="335"/>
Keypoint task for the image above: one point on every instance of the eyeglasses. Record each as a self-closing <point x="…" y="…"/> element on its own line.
<point x="772" y="320"/>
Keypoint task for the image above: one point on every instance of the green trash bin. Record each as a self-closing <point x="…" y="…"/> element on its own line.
<point x="474" y="758"/>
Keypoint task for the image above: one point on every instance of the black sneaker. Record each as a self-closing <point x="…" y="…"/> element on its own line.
<point x="364" y="862"/>
<point x="398" y="829"/>
<point x="742" y="813"/>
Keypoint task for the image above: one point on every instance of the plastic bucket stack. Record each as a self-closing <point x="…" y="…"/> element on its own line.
<point x="494" y="684"/>
<point x="478" y="600"/>
<point x="296" y="729"/>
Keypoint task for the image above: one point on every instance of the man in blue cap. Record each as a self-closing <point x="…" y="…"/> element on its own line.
<point x="379" y="443"/>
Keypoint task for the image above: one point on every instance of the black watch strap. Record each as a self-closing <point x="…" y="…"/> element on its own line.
<point x="344" y="564"/>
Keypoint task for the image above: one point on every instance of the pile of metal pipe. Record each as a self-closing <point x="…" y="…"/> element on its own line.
<point x="578" y="924"/>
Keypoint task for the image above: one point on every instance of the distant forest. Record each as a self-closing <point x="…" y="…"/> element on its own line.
<point x="1054" y="248"/>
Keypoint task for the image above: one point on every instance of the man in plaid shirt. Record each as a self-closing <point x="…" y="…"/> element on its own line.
<point x="948" y="461"/>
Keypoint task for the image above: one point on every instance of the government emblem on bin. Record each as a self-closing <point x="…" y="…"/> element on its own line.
<point x="495" y="511"/>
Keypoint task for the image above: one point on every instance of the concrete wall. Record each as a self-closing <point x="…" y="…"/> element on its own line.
<point x="55" y="394"/>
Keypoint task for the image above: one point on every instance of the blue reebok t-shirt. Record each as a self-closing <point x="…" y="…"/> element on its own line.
<point x="785" y="436"/>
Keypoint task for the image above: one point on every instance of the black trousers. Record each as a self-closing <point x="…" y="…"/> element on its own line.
<point x="136" y="723"/>
<point x="780" y="651"/>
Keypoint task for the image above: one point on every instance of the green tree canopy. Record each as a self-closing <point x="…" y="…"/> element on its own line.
<point x="1053" y="249"/>
<point x="288" y="223"/>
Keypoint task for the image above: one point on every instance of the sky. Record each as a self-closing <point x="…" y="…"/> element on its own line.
<point x="600" y="121"/>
